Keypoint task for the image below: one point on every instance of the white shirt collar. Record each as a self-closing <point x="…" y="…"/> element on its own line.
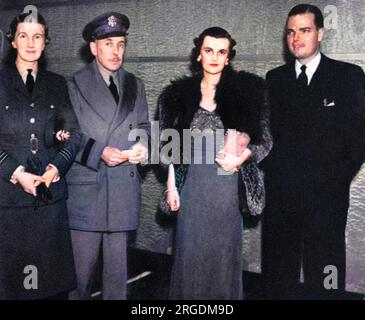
<point x="311" y="67"/>
<point x="23" y="71"/>
<point x="24" y="74"/>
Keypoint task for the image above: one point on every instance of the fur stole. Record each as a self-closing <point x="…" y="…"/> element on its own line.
<point x="239" y="97"/>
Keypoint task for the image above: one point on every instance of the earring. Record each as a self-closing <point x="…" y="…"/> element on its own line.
<point x="226" y="63"/>
<point x="198" y="59"/>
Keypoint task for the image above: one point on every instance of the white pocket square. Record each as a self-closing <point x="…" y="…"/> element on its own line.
<point x="328" y="102"/>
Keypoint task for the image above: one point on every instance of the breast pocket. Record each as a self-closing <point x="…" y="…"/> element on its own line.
<point x="50" y="110"/>
<point x="330" y="118"/>
<point x="11" y="119"/>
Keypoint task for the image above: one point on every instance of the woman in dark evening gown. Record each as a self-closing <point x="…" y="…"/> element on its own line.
<point x="211" y="191"/>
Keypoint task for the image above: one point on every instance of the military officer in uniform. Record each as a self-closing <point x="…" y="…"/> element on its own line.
<point x="35" y="238"/>
<point x="104" y="183"/>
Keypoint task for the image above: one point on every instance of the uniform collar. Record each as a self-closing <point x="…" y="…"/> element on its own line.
<point x="23" y="71"/>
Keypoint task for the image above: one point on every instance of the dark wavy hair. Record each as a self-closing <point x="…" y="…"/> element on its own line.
<point x="215" y="32"/>
<point x="24" y="17"/>
<point x="307" y="8"/>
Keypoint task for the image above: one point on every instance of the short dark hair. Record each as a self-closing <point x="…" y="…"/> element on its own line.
<point x="307" y="8"/>
<point x="215" y="32"/>
<point x="23" y="17"/>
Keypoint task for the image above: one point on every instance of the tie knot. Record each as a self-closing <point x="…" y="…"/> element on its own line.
<point x="111" y="79"/>
<point x="303" y="68"/>
<point x="30" y="71"/>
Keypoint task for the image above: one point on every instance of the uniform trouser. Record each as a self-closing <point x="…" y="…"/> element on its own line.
<point x="313" y="239"/>
<point x="87" y="247"/>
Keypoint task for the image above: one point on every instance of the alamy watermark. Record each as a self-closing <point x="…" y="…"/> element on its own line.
<point x="330" y="282"/>
<point x="190" y="144"/>
<point x="330" y="17"/>
<point x="31" y="280"/>
<point x="33" y="10"/>
<point x="33" y="17"/>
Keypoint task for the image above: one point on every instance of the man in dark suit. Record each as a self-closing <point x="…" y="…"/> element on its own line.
<point x="104" y="184"/>
<point x="317" y="122"/>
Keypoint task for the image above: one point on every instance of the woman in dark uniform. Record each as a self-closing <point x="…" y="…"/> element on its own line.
<point x="209" y="230"/>
<point x="36" y="259"/>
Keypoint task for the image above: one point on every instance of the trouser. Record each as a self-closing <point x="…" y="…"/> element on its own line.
<point x="314" y="240"/>
<point x="87" y="247"/>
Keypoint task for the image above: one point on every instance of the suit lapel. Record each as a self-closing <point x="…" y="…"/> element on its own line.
<point x="291" y="82"/>
<point x="17" y="82"/>
<point x="321" y="71"/>
<point x="40" y="86"/>
<point x="320" y="81"/>
<point x="291" y="75"/>
<point x="127" y="98"/>
<point x="122" y="109"/>
<point x="95" y="91"/>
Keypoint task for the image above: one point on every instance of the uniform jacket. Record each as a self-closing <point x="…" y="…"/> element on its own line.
<point x="105" y="198"/>
<point x="23" y="227"/>
<point x="318" y="134"/>
<point x="21" y="115"/>
<point x="241" y="105"/>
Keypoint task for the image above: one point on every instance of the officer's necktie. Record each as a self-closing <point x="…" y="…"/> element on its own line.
<point x="29" y="82"/>
<point x="113" y="89"/>
<point x="303" y="79"/>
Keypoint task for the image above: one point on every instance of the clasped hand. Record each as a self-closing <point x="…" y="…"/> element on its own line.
<point x="29" y="182"/>
<point x="114" y="156"/>
<point x="230" y="162"/>
<point x="138" y="154"/>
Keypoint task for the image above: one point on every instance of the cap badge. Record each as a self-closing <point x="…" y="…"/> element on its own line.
<point x="112" y="21"/>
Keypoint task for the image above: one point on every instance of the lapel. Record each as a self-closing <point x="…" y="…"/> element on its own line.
<point x="18" y="85"/>
<point x="290" y="74"/>
<point x="321" y="81"/>
<point x="40" y="86"/>
<point x="290" y="82"/>
<point x="122" y="110"/>
<point x="127" y="94"/>
<point x="95" y="91"/>
<point x="16" y="82"/>
<point x="320" y="73"/>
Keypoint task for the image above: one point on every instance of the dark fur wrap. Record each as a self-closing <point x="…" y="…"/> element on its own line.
<point x="239" y="97"/>
<point x="241" y="105"/>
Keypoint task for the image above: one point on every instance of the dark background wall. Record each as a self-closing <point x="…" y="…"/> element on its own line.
<point x="160" y="40"/>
